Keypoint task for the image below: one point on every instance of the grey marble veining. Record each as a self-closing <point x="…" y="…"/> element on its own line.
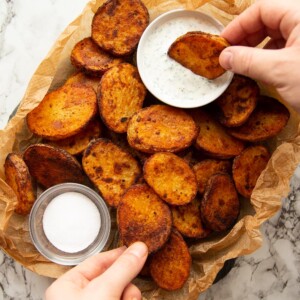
<point x="28" y="28"/>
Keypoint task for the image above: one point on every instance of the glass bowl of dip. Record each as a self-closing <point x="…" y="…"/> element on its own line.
<point x="166" y="79"/>
<point x="68" y="223"/>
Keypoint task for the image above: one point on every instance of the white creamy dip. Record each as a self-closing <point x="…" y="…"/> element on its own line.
<point x="71" y="222"/>
<point x="165" y="78"/>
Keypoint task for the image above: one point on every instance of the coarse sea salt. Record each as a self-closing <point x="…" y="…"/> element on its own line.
<point x="71" y="222"/>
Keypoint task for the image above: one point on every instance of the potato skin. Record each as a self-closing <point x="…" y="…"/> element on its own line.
<point x="238" y="101"/>
<point x="247" y="167"/>
<point x="88" y="57"/>
<point x="84" y="79"/>
<point x="212" y="139"/>
<point x="208" y="167"/>
<point x="121" y="93"/>
<point x="171" y="178"/>
<point x="187" y="220"/>
<point x="117" y="26"/>
<point x="199" y="52"/>
<point x="110" y="168"/>
<point x="63" y="112"/>
<point x="19" y="179"/>
<point x="50" y="165"/>
<point x="160" y="128"/>
<point x="266" y="121"/>
<point x="220" y="205"/>
<point x="170" y="266"/>
<point x="143" y="216"/>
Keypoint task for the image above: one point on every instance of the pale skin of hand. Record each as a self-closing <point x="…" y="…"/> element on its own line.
<point x="278" y="64"/>
<point x="107" y="275"/>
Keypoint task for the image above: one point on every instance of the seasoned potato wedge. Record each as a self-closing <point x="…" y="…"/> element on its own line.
<point x="199" y="52"/>
<point x="208" y="167"/>
<point x="110" y="168"/>
<point x="120" y="94"/>
<point x="170" y="266"/>
<point x="267" y="120"/>
<point x="19" y="179"/>
<point x="77" y="143"/>
<point x="143" y="216"/>
<point x="247" y="167"/>
<point x="171" y="178"/>
<point x="220" y="205"/>
<point x="63" y="112"/>
<point x="161" y="128"/>
<point x="50" y="165"/>
<point x="84" y="79"/>
<point x="88" y="57"/>
<point x="187" y="220"/>
<point x="118" y="25"/>
<point x="213" y="139"/>
<point x="238" y="101"/>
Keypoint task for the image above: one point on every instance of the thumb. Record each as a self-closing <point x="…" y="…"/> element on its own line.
<point x="115" y="279"/>
<point x="260" y="64"/>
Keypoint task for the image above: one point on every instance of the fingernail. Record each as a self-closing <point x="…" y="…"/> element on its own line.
<point x="138" y="249"/>
<point x="226" y="59"/>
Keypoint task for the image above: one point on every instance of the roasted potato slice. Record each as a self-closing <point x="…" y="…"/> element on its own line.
<point x="88" y="57"/>
<point x="187" y="220"/>
<point x="111" y="169"/>
<point x="120" y="94"/>
<point x="238" y="101"/>
<point x="63" y="112"/>
<point x="213" y="139"/>
<point x="118" y="25"/>
<point x="170" y="266"/>
<point x="50" y="165"/>
<point x="220" y="205"/>
<point x="161" y="128"/>
<point x="77" y="143"/>
<point x="247" y="167"/>
<point x="84" y="79"/>
<point x="199" y="52"/>
<point x="171" y="178"/>
<point x="208" y="167"/>
<point x="266" y="121"/>
<point x="19" y="179"/>
<point x="143" y="216"/>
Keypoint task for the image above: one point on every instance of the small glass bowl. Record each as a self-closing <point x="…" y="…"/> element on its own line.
<point x="39" y="238"/>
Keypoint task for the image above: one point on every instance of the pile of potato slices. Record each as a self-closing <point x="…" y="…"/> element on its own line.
<point x="173" y="175"/>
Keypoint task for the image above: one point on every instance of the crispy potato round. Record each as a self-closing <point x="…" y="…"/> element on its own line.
<point x="220" y="205"/>
<point x="63" y="112"/>
<point x="266" y="121"/>
<point x="50" y="165"/>
<point x="77" y="143"/>
<point x="118" y="25"/>
<point x="238" y="101"/>
<point x="84" y="79"/>
<point x="187" y="220"/>
<point x="121" y="93"/>
<point x="19" y="179"/>
<point x="161" y="128"/>
<point x="208" y="167"/>
<point x="199" y="52"/>
<point x="247" y="167"/>
<point x="143" y="216"/>
<point x="111" y="169"/>
<point x="171" y="178"/>
<point x="170" y="266"/>
<point x="213" y="140"/>
<point x="87" y="56"/>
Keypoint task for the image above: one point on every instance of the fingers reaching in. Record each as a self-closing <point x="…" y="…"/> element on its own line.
<point x="131" y="292"/>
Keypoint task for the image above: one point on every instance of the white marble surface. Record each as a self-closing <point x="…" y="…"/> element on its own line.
<point x="27" y="31"/>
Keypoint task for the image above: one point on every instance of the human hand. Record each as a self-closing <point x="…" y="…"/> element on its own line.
<point x="106" y="276"/>
<point x="278" y="64"/>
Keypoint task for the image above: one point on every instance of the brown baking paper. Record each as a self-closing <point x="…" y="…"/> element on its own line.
<point x="208" y="255"/>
